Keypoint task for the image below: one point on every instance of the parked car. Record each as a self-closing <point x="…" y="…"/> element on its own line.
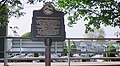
<point x="97" y="60"/>
<point x="29" y="55"/>
<point x="42" y="56"/>
<point x="19" y="56"/>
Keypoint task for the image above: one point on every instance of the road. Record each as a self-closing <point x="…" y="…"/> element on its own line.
<point x="65" y="64"/>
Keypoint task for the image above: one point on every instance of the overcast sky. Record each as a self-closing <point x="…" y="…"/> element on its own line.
<point x="77" y="31"/>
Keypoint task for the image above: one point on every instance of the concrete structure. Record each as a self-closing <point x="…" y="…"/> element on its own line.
<point x="26" y="45"/>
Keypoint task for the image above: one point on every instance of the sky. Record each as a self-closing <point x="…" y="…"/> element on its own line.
<point x="77" y="31"/>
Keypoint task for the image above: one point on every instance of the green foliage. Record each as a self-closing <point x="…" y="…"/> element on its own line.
<point x="96" y="12"/>
<point x="26" y="35"/>
<point x="65" y="47"/>
<point x="111" y="48"/>
<point x="111" y="51"/>
<point x="3" y="16"/>
<point x="34" y="1"/>
<point x="10" y="8"/>
<point x="72" y="47"/>
<point x="15" y="7"/>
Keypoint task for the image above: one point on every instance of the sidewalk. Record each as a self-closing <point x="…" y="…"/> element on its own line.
<point x="66" y="64"/>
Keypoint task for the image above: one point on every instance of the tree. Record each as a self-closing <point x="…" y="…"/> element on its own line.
<point x="3" y="16"/>
<point x="72" y="47"/>
<point x="9" y="8"/>
<point x="65" y="48"/>
<point x="96" y="12"/>
<point x="26" y="35"/>
<point x="98" y="33"/>
<point x="14" y="30"/>
<point x="3" y="23"/>
<point x="12" y="8"/>
<point x="111" y="51"/>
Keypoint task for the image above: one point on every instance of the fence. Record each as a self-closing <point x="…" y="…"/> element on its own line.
<point x="68" y="40"/>
<point x="26" y="45"/>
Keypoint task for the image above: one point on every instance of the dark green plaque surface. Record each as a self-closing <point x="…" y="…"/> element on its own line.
<point x="48" y="23"/>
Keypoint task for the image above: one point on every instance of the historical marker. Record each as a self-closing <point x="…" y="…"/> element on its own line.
<point x="48" y="23"/>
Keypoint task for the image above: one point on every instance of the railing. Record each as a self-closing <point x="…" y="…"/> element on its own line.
<point x="26" y="45"/>
<point x="68" y="40"/>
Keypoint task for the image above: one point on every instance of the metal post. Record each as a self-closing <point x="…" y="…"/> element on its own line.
<point x="48" y="43"/>
<point x="20" y="46"/>
<point x="56" y="47"/>
<point x="5" y="52"/>
<point x="68" y="52"/>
